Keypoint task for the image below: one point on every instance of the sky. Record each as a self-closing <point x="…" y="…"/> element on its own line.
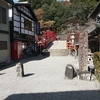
<point x="15" y="1"/>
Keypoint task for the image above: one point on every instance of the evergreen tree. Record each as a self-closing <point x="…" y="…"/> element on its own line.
<point x="62" y="13"/>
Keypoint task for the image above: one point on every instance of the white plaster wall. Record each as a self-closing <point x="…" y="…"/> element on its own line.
<point x="4" y="54"/>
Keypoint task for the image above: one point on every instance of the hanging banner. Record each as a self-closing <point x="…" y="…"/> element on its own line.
<point x="38" y="28"/>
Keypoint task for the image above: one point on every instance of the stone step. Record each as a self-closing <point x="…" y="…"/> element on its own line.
<point x="57" y="48"/>
<point x="58" y="52"/>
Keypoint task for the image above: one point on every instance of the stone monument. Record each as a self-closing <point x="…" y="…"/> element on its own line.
<point x="20" y="69"/>
<point x="83" y="51"/>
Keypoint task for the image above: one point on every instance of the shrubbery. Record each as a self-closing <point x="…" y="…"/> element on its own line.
<point x="96" y="60"/>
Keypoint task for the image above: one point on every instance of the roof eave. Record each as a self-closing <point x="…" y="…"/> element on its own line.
<point x="10" y="2"/>
<point x="90" y="15"/>
<point x="28" y="6"/>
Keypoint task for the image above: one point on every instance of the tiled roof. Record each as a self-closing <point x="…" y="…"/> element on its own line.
<point x="27" y="5"/>
<point x="95" y="11"/>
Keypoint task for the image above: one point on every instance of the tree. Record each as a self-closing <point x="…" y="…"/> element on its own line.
<point x="68" y="37"/>
<point x="80" y="12"/>
<point x="44" y="25"/>
<point x="38" y="13"/>
<point x="90" y="3"/>
<point x="35" y="4"/>
<point x="62" y="13"/>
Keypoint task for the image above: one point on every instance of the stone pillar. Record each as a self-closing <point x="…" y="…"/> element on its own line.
<point x="83" y="51"/>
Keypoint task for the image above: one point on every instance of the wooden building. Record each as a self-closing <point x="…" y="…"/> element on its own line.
<point x="94" y="31"/>
<point x="23" y="30"/>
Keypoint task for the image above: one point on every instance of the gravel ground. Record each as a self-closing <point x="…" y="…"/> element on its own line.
<point x="45" y="80"/>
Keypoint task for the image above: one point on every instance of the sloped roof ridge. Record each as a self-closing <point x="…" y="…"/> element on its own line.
<point x="10" y="1"/>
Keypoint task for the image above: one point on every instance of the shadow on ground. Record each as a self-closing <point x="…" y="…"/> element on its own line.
<point x="26" y="75"/>
<point x="2" y="73"/>
<point x="49" y="46"/>
<point x="68" y="95"/>
<point x="27" y="58"/>
<point x="23" y="60"/>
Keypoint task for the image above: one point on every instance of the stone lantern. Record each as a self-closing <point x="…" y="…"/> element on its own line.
<point x="72" y="37"/>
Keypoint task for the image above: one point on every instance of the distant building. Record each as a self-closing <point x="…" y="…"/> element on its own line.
<point x="67" y="2"/>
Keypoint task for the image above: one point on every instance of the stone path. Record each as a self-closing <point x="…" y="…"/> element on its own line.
<point x="58" y="48"/>
<point x="58" y="45"/>
<point x="45" y="80"/>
